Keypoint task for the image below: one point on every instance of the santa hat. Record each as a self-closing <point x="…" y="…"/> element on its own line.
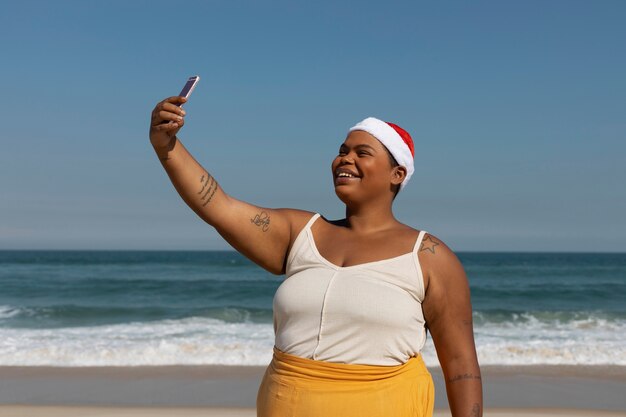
<point x="394" y="138"/>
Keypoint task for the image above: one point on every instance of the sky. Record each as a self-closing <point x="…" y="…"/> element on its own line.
<point x="517" y="110"/>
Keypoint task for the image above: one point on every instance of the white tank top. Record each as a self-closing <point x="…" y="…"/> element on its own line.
<point x="369" y="313"/>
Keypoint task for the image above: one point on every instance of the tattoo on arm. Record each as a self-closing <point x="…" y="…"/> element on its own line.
<point x="475" y="410"/>
<point x="428" y="244"/>
<point x="209" y="187"/>
<point x="210" y="196"/>
<point x="203" y="182"/>
<point x="262" y="220"/>
<point x="462" y="377"/>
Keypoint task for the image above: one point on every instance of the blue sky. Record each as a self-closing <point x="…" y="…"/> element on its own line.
<point x="517" y="109"/>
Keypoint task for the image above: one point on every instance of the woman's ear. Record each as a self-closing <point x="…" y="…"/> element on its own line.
<point x="398" y="175"/>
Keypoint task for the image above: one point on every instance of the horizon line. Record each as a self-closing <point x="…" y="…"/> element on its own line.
<point x="235" y="251"/>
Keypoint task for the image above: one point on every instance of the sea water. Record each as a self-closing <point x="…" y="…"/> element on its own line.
<point x="126" y="308"/>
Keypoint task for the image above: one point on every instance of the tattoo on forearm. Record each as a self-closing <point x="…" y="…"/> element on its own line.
<point x="211" y="196"/>
<point x="467" y="322"/>
<point x="475" y="410"/>
<point x="209" y="187"/>
<point x="262" y="220"/>
<point x="462" y="377"/>
<point x="204" y="182"/>
<point x="428" y="244"/>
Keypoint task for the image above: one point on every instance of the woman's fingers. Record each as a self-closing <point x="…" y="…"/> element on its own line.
<point x="164" y="127"/>
<point x="163" y="117"/>
<point x="166" y="112"/>
<point x="167" y="116"/>
<point x="174" y="100"/>
<point x="172" y="108"/>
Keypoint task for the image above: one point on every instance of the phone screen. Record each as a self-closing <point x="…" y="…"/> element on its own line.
<point x="191" y="83"/>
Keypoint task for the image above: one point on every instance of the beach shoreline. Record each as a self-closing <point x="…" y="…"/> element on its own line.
<point x="100" y="390"/>
<point x="615" y="372"/>
<point x="79" y="411"/>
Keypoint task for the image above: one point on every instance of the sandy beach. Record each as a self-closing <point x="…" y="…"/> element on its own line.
<point x="52" y="411"/>
<point x="231" y="391"/>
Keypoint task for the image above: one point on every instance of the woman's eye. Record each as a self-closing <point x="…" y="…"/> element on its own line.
<point x="363" y="153"/>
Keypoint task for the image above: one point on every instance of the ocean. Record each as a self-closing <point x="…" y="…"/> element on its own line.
<point x="126" y="308"/>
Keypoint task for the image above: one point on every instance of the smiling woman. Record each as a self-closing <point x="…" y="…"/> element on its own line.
<point x="363" y="150"/>
<point x="360" y="293"/>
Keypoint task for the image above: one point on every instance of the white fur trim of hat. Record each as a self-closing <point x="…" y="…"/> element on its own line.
<point x="394" y="138"/>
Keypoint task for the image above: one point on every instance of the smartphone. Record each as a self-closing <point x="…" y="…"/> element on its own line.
<point x="189" y="86"/>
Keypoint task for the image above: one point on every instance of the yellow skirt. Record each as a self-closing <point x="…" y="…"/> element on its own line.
<point x="299" y="387"/>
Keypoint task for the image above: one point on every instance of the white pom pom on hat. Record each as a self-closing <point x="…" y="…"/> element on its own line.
<point x="394" y="138"/>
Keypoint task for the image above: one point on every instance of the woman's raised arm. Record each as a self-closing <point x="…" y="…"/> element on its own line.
<point x="261" y="234"/>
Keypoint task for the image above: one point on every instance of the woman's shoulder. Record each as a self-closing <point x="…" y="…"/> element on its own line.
<point x="434" y="249"/>
<point x="297" y="218"/>
<point x="437" y="258"/>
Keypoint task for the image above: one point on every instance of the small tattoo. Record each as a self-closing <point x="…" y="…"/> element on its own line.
<point x="210" y="197"/>
<point x="428" y="244"/>
<point x="462" y="377"/>
<point x="467" y="322"/>
<point x="262" y="220"/>
<point x="210" y="185"/>
<point x="475" y="410"/>
<point x="204" y="183"/>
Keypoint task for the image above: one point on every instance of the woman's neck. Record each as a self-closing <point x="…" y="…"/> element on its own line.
<point x="369" y="219"/>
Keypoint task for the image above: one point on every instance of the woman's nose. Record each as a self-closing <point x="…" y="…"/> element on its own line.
<point x="347" y="159"/>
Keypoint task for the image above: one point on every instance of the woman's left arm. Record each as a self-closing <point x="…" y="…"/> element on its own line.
<point x="448" y="314"/>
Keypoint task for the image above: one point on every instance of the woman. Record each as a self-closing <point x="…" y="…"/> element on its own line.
<point x="351" y="317"/>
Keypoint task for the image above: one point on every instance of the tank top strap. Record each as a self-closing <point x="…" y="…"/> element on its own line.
<point x="311" y="221"/>
<point x="301" y="238"/>
<point x="418" y="242"/>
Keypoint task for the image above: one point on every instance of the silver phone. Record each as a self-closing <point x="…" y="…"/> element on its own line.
<point x="189" y="86"/>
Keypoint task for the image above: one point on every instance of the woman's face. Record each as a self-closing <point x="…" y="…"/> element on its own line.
<point x="362" y="169"/>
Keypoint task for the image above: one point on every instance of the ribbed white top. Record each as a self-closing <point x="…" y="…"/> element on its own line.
<point x="369" y="313"/>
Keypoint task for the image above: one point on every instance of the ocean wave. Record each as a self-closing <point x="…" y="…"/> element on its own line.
<point x="190" y="341"/>
<point x="7" y="312"/>
<point x="541" y="352"/>
<point x="205" y="341"/>
<point x="70" y="315"/>
<point x="73" y="315"/>
<point x="550" y="318"/>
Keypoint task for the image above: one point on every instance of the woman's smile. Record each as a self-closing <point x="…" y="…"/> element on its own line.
<point x="344" y="175"/>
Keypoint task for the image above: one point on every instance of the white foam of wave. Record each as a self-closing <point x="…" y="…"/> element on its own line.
<point x="538" y="338"/>
<point x="8" y="312"/>
<point x="540" y="353"/>
<point x="191" y="341"/>
<point x="196" y="341"/>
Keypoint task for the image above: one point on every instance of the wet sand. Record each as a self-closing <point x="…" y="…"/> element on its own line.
<point x="231" y="391"/>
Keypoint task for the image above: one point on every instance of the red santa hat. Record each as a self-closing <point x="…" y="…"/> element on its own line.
<point x="394" y="138"/>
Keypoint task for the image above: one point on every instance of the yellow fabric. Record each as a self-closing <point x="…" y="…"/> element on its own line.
<point x="300" y="387"/>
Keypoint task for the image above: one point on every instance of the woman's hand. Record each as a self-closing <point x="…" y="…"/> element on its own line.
<point x="167" y="119"/>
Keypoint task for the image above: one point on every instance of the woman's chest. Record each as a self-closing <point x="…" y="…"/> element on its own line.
<point x="344" y="248"/>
